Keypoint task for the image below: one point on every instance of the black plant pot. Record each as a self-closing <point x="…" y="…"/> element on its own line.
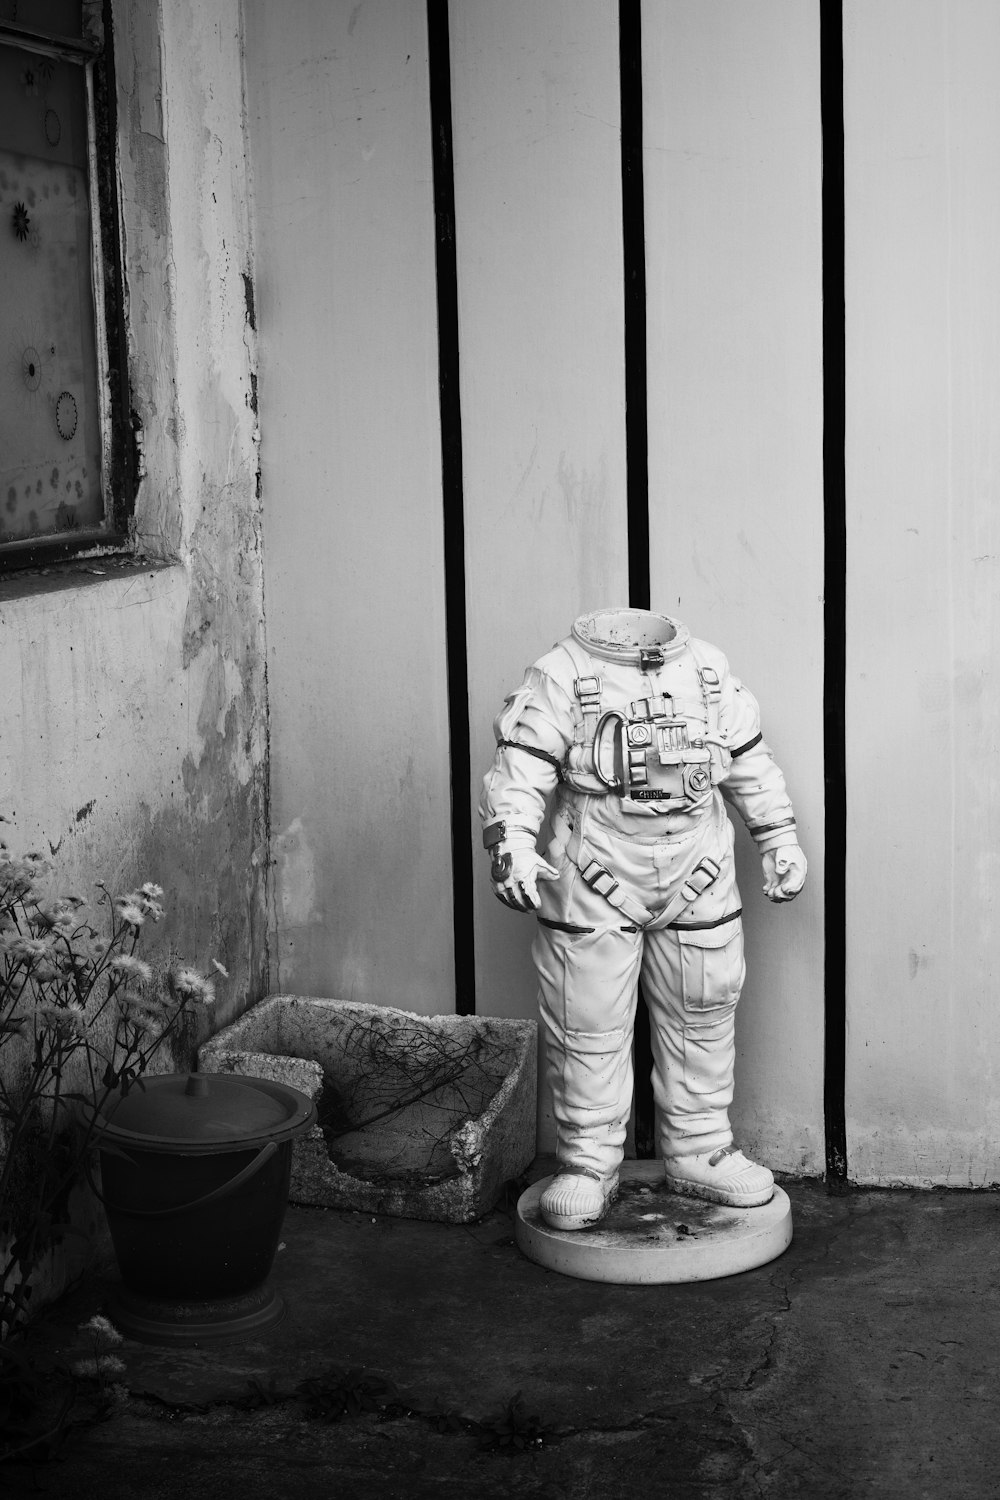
<point x="194" y="1181"/>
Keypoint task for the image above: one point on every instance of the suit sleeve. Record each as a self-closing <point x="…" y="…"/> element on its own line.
<point x="533" y="731"/>
<point x="754" y="784"/>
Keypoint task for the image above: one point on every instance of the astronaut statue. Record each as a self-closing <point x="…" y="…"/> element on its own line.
<point x="629" y="734"/>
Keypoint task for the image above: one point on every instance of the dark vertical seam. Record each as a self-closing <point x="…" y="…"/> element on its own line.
<point x="439" y="67"/>
<point x="835" y="588"/>
<point x="636" y="441"/>
<point x="634" y="260"/>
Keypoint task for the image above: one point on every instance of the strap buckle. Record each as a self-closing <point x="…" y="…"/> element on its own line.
<point x="660" y="707"/>
<point x="704" y="874"/>
<point x="588" y="690"/>
<point x="599" y="878"/>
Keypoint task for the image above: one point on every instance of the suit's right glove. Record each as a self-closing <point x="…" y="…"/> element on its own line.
<point x="519" y="870"/>
<point x="516" y="865"/>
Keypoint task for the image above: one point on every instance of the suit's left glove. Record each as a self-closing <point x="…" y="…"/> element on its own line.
<point x="784" y="872"/>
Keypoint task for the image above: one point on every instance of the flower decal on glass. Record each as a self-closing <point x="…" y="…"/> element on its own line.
<point x="66" y="415"/>
<point x="21" y="221"/>
<point x="31" y="368"/>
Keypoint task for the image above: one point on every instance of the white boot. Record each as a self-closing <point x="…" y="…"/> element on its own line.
<point x="576" y="1199"/>
<point x="721" y="1176"/>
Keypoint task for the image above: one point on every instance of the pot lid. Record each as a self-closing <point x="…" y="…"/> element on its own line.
<point x="206" y="1110"/>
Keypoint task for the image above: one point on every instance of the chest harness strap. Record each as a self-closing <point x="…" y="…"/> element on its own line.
<point x="601" y="880"/>
<point x="711" y="692"/>
<point x="587" y="690"/>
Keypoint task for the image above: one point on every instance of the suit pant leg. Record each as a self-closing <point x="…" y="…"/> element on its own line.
<point x="587" y="994"/>
<point x="692" y="974"/>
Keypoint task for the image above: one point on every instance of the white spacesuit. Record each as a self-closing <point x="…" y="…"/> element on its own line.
<point x="636" y="729"/>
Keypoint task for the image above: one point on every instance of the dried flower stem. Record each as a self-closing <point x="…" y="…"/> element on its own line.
<point x="80" y="1021"/>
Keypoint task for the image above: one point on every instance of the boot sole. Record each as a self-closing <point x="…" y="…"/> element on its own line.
<point x="570" y="1222"/>
<point x="689" y="1189"/>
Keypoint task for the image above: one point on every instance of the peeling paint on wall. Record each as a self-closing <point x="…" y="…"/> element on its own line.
<point x="296" y="876"/>
<point x="135" y="725"/>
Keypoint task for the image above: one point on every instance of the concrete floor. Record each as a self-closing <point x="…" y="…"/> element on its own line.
<point x="864" y="1362"/>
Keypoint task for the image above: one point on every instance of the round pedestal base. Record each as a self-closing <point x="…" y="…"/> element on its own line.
<point x="650" y="1235"/>
<point x="213" y="1320"/>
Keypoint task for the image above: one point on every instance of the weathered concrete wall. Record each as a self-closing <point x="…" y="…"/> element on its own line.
<point x="339" y="126"/>
<point x="922" y="123"/>
<point x="132" y="700"/>
<point x="536" y="124"/>
<point x="733" y="172"/>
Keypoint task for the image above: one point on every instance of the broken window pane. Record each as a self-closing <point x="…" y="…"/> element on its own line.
<point x="54" y="412"/>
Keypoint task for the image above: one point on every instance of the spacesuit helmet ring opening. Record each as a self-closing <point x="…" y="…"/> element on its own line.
<point x="624" y="629"/>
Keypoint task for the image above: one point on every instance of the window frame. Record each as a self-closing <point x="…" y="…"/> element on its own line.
<point x="119" y="453"/>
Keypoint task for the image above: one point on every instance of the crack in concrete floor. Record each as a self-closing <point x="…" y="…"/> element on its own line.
<point x="863" y="1362"/>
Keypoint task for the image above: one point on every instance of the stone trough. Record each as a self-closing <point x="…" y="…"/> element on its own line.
<point x="421" y="1117"/>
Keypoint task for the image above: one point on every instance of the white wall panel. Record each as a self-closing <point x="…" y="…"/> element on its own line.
<point x="922" y="118"/>
<point x="341" y="148"/>
<point x="538" y="209"/>
<point x="734" y="293"/>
